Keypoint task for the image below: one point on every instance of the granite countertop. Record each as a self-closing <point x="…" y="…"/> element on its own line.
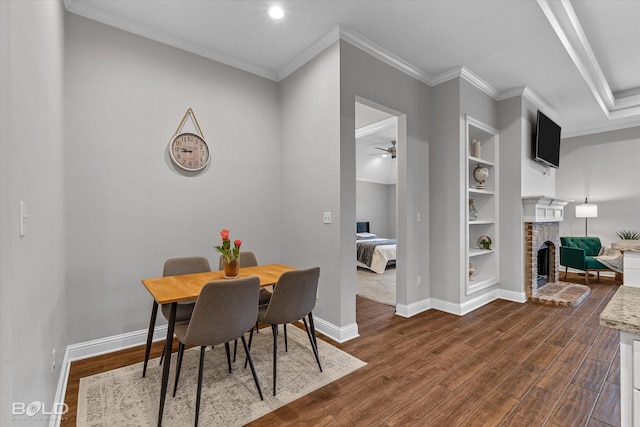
<point x="623" y="311"/>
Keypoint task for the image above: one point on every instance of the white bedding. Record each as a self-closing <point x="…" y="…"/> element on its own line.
<point x="381" y="255"/>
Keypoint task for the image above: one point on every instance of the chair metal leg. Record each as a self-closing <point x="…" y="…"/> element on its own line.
<point x="167" y="355"/>
<point x="253" y="370"/>
<point x="566" y="270"/>
<point x="235" y="349"/>
<point x="200" y="369"/>
<point x="152" y="325"/>
<point x="286" y="345"/>
<point x="313" y="329"/>
<point x="598" y="275"/>
<point x="178" y="367"/>
<point x="250" y="340"/>
<point x="274" y="329"/>
<point x="226" y="348"/>
<point x="314" y="346"/>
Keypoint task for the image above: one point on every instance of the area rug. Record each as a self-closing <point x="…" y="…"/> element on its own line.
<point x="122" y="397"/>
<point x="377" y="287"/>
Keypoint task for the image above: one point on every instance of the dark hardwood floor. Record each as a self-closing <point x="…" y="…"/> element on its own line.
<point x="504" y="364"/>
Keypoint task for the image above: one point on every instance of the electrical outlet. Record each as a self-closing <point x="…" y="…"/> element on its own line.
<point x="53" y="361"/>
<point x="419" y="281"/>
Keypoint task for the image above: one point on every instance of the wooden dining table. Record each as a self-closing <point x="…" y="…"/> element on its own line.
<point x="174" y="289"/>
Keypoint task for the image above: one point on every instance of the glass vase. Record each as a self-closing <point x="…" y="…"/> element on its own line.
<point x="473" y="213"/>
<point x="231" y="269"/>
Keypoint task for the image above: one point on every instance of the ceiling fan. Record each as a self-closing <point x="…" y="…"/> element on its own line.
<point x="391" y="150"/>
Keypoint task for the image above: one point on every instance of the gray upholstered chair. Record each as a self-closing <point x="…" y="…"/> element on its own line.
<point x="175" y="267"/>
<point x="225" y="310"/>
<point x="294" y="297"/>
<point x="248" y="259"/>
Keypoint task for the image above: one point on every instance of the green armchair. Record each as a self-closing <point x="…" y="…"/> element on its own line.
<point x="580" y="253"/>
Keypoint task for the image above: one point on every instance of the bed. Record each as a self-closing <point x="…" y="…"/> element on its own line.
<point x="373" y="253"/>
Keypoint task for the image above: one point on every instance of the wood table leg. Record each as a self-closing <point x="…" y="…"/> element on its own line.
<point x="167" y="360"/>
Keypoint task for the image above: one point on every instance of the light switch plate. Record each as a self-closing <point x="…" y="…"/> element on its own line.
<point x="327" y="218"/>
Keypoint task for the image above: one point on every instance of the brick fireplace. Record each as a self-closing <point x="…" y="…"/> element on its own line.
<point x="537" y="235"/>
<point x="542" y="216"/>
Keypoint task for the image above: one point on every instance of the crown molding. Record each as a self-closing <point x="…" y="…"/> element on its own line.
<point x="389" y="58"/>
<point x="376" y="127"/>
<point x="478" y="82"/>
<point x="82" y="9"/>
<point x="565" y="23"/>
<point x="309" y="53"/>
<point x="612" y="128"/>
<point x="529" y="94"/>
<point x="383" y="55"/>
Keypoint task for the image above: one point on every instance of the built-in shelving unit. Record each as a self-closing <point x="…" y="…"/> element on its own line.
<point x="485" y="200"/>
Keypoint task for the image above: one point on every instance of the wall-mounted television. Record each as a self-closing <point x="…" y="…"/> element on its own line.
<point x="546" y="144"/>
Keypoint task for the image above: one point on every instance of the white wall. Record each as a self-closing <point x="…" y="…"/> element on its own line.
<point x="603" y="167"/>
<point x="376" y="204"/>
<point x="32" y="295"/>
<point x="128" y="207"/>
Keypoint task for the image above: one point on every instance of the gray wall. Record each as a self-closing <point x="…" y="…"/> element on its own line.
<point x="128" y="207"/>
<point x="444" y="174"/>
<point x="603" y="167"/>
<point x="32" y="276"/>
<point x="511" y="219"/>
<point x="452" y="100"/>
<point x="364" y="77"/>
<point x="376" y="203"/>
<point x="537" y="180"/>
<point x="311" y="177"/>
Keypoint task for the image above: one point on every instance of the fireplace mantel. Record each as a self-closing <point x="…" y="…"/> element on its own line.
<point x="543" y="208"/>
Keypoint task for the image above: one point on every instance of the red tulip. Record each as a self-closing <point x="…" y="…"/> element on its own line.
<point x="224" y="234"/>
<point x="238" y="243"/>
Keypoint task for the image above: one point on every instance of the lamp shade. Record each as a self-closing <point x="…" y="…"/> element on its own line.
<point x="586" y="210"/>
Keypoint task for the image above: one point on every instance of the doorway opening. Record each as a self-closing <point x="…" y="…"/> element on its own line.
<point x="377" y="154"/>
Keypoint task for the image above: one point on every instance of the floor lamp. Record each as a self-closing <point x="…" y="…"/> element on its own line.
<point x="586" y="211"/>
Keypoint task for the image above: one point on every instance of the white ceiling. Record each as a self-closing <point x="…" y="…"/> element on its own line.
<point x="578" y="60"/>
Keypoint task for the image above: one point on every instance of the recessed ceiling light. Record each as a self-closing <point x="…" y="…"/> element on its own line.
<point x="276" y="12"/>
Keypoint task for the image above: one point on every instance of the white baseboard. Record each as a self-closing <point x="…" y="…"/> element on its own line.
<point x="520" y="297"/>
<point x="412" y="309"/>
<point x="98" y="347"/>
<point x="337" y="333"/>
<point x="465" y="307"/>
<point x="61" y="389"/>
<point x="101" y="346"/>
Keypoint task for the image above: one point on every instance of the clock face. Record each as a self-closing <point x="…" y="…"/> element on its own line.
<point x="189" y="151"/>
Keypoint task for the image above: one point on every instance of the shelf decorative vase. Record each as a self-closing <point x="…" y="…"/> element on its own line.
<point x="475" y="148"/>
<point x="473" y="213"/>
<point x="480" y="175"/>
<point x="231" y="268"/>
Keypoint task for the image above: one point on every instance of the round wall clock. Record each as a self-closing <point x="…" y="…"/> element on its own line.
<point x="189" y="151"/>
